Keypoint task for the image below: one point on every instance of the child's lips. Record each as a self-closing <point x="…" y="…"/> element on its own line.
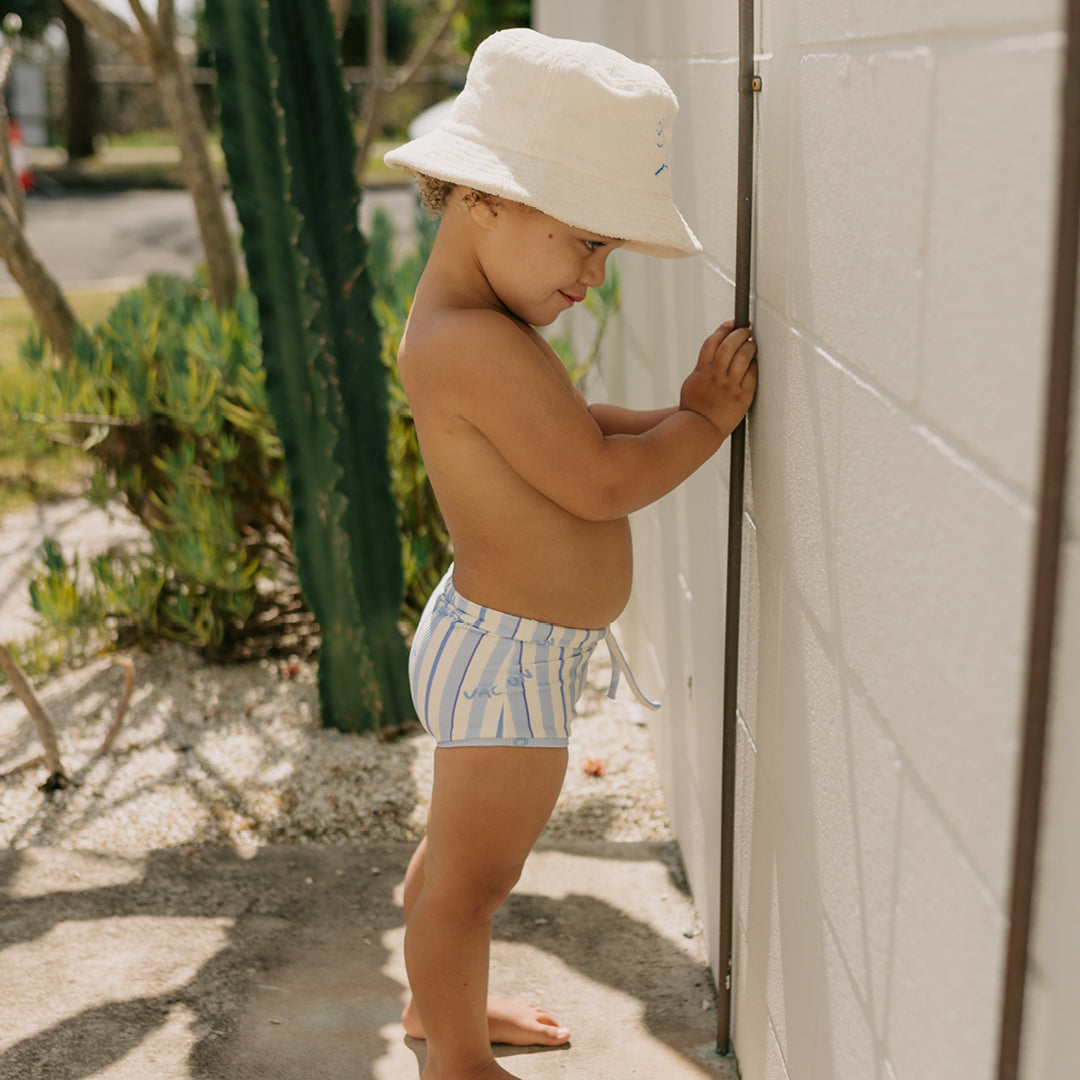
<point x="573" y="299"/>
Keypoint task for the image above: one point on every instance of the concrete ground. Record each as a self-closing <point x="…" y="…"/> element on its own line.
<point x="285" y="964"/>
<point x="113" y="239"/>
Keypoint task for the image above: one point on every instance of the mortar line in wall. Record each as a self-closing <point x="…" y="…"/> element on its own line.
<point x="923" y="255"/>
<point x="845" y="671"/>
<point x="922" y="788"/>
<point x="881" y="1049"/>
<point x="747" y="732"/>
<point x="886" y="1004"/>
<point x="961" y="455"/>
<point x="966" y="38"/>
<point x="908" y="776"/>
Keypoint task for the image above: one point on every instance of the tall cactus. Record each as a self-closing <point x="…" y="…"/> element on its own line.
<point x="290" y="151"/>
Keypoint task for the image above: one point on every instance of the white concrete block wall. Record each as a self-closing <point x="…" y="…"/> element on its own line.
<point x="904" y="228"/>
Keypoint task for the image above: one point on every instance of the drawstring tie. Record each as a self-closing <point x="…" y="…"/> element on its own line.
<point x="618" y="666"/>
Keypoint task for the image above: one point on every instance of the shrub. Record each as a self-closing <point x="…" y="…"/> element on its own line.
<point x="167" y="396"/>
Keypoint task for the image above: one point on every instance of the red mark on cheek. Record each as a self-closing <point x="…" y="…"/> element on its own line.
<point x="551" y="236"/>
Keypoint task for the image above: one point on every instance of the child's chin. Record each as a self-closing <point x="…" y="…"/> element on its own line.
<point x="542" y="318"/>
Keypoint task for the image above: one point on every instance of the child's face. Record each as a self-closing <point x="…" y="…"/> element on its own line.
<point x="540" y="267"/>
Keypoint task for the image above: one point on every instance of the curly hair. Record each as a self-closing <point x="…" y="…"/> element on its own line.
<point x="434" y="193"/>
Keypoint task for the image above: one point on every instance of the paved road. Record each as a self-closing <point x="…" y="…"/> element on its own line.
<point x="92" y="237"/>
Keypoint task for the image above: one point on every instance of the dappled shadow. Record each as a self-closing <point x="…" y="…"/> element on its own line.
<point x="174" y="774"/>
<point x="318" y="916"/>
<point x="286" y="963"/>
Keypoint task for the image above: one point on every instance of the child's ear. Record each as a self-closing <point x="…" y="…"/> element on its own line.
<point x="483" y="208"/>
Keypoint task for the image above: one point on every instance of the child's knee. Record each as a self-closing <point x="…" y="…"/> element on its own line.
<point x="479" y="892"/>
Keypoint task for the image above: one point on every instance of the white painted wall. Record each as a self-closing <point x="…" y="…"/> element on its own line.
<point x="904" y="228"/>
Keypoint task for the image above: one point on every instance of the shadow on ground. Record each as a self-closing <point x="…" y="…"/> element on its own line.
<point x="285" y="963"/>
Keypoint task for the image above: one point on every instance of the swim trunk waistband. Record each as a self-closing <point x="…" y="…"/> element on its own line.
<point x="490" y="621"/>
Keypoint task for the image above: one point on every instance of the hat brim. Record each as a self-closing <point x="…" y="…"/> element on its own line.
<point x="647" y="221"/>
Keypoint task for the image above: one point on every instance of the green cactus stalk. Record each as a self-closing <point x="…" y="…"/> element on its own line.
<point x="290" y="151"/>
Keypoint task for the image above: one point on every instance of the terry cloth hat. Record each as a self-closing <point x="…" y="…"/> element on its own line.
<point x="570" y="128"/>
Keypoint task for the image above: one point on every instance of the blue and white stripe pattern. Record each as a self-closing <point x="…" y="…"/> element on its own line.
<point x="483" y="678"/>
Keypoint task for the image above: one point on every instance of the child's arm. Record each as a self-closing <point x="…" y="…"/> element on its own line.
<point x="615" y="420"/>
<point x="503" y="384"/>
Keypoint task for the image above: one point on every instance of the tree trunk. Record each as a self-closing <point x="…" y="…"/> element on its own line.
<point x="44" y="725"/>
<point x="154" y="45"/>
<point x="185" y="117"/>
<point x="11" y="185"/>
<point x="379" y="84"/>
<point x="42" y="293"/>
<point x="340" y="10"/>
<point x="376" y="80"/>
<point x="81" y="90"/>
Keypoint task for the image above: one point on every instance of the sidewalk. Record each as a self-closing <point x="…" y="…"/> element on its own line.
<point x="285" y="964"/>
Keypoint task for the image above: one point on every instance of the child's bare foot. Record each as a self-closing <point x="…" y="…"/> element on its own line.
<point x="518" y="1023"/>
<point x="493" y="1072"/>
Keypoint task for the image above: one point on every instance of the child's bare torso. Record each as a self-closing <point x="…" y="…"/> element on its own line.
<point x="515" y="548"/>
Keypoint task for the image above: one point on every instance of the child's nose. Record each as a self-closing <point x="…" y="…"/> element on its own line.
<point x="593" y="273"/>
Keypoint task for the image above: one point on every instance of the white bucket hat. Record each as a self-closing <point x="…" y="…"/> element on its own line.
<point x="571" y="128"/>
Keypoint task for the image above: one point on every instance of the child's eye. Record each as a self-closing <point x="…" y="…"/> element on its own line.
<point x="593" y="245"/>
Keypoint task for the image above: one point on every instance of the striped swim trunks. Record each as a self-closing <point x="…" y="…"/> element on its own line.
<point x="484" y="678"/>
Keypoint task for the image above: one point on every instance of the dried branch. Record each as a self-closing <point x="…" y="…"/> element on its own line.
<point x="80" y="418"/>
<point x="166" y="13"/>
<point x="407" y="72"/>
<point x="379" y="84"/>
<point x="150" y="29"/>
<point x="40" y="288"/>
<point x="42" y="721"/>
<point x="23" y="766"/>
<point x="111" y="27"/>
<point x="121" y="709"/>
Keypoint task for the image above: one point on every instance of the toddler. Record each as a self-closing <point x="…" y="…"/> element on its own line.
<point x="556" y="154"/>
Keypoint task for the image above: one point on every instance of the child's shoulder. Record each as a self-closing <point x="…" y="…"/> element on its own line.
<point x="464" y="343"/>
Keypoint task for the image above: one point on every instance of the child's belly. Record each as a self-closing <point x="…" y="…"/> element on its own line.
<point x="565" y="571"/>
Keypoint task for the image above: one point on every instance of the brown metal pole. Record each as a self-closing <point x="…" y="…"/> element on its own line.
<point x="748" y="84"/>
<point x="1047" y="557"/>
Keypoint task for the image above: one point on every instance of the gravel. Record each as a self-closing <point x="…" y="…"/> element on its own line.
<point x="211" y="755"/>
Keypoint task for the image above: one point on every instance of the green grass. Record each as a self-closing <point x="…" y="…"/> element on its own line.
<point x="16" y="319"/>
<point x="140" y="139"/>
<point x="150" y="160"/>
<point x="32" y="468"/>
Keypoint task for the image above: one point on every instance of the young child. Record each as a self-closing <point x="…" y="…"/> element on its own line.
<point x="555" y="154"/>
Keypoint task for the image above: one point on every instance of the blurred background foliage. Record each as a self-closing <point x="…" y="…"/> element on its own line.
<point x="167" y="404"/>
<point x="163" y="409"/>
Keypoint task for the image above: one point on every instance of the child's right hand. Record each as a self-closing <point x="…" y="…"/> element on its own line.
<point x="722" y="385"/>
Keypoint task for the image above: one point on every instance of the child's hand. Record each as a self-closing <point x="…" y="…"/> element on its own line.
<point x="722" y="385"/>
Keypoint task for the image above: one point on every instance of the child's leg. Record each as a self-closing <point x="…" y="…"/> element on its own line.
<point x="519" y="1023"/>
<point x="488" y="806"/>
